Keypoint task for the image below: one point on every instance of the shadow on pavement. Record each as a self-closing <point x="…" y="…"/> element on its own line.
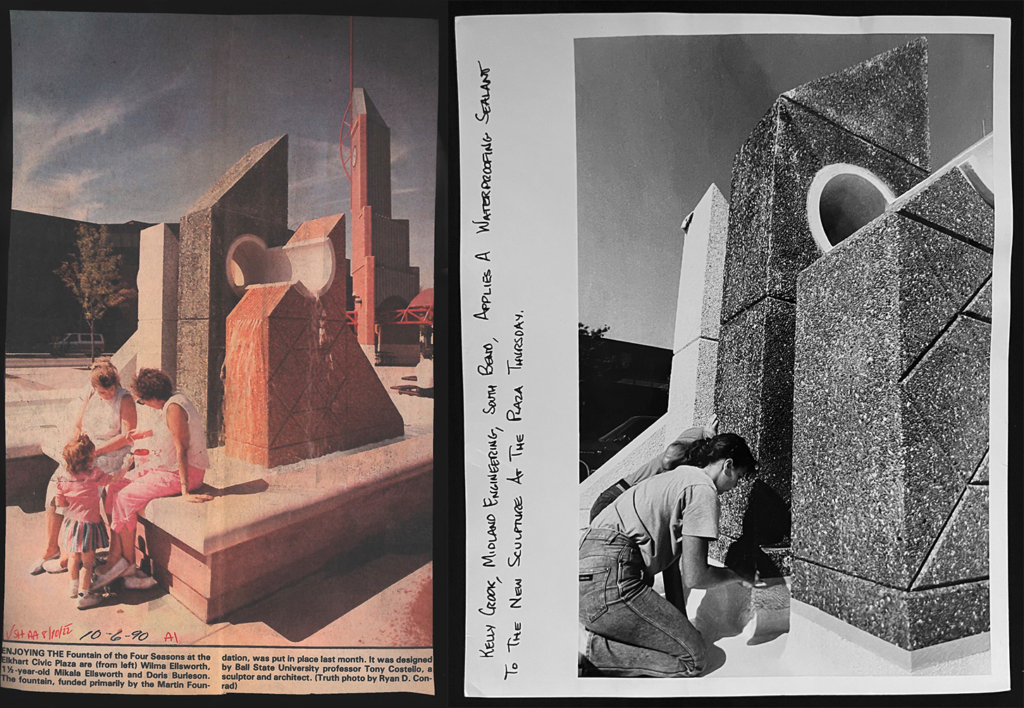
<point x="345" y="582"/>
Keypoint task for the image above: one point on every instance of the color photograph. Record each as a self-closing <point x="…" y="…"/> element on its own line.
<point x="220" y="334"/>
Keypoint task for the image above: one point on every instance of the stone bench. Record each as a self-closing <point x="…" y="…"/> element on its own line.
<point x="268" y="528"/>
<point x="27" y="468"/>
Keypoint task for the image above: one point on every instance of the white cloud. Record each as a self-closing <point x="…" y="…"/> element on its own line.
<point x="399" y="151"/>
<point x="38" y="136"/>
<point x="68" y="195"/>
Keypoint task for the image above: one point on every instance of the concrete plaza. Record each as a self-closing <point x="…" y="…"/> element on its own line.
<point x="377" y="595"/>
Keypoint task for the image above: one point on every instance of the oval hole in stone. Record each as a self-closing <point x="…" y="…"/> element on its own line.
<point x="841" y="200"/>
<point x="245" y="263"/>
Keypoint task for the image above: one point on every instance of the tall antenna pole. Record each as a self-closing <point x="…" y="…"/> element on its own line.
<point x="347" y="119"/>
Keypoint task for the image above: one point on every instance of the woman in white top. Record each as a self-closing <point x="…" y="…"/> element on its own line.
<point x="176" y="463"/>
<point x="106" y="412"/>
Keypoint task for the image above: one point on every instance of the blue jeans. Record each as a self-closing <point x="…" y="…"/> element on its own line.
<point x="635" y="631"/>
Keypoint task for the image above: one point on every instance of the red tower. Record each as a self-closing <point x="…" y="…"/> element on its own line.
<point x="382" y="279"/>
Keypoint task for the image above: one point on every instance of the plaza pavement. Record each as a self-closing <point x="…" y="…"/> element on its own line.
<point x="379" y="599"/>
<point x="385" y="601"/>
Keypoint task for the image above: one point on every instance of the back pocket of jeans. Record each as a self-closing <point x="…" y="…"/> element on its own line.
<point x="593" y="585"/>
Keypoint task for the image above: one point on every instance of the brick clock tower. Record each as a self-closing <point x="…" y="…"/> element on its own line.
<point x="382" y="279"/>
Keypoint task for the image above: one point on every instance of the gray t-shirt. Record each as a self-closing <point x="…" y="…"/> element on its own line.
<point x="659" y="512"/>
<point x="653" y="466"/>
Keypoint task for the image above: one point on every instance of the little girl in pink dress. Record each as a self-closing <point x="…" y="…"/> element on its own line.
<point x="83" y="531"/>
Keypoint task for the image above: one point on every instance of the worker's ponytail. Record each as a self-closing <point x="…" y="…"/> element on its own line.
<point x="721" y="447"/>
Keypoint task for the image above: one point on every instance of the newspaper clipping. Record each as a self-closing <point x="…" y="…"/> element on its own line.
<point x="775" y="250"/>
<point x="219" y="354"/>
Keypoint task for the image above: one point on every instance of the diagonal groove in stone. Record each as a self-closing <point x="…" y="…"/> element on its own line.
<point x="344" y="377"/>
<point x="850" y="573"/>
<point x="872" y="143"/>
<point x="979" y="318"/>
<point x="291" y="348"/>
<point x="967" y="311"/>
<point x="953" y="583"/>
<point x="935" y="541"/>
<point x="944" y="230"/>
<point x="974" y="472"/>
<point x="291" y="410"/>
<point x="931" y="345"/>
<point x="754" y="304"/>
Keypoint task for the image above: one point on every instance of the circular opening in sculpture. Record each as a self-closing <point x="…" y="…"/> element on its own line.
<point x="245" y="263"/>
<point x="841" y="200"/>
<point x="309" y="264"/>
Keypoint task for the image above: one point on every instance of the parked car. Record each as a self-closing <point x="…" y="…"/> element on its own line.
<point x="77" y="343"/>
<point x="595" y="454"/>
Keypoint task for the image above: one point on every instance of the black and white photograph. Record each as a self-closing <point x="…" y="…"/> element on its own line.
<point x="783" y="244"/>
<point x="785" y="248"/>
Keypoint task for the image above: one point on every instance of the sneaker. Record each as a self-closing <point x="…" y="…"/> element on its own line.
<point x="73" y="589"/>
<point x="113" y="573"/>
<point x="88" y="599"/>
<point x="54" y="566"/>
<point x="139" y="582"/>
<point x="38" y="566"/>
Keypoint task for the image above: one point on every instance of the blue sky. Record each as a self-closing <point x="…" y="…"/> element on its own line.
<point x="134" y="116"/>
<point x="661" y="118"/>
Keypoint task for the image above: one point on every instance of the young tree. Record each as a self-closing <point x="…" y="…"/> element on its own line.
<point x="93" y="275"/>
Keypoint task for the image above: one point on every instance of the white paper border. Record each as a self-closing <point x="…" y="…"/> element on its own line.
<point x="533" y="121"/>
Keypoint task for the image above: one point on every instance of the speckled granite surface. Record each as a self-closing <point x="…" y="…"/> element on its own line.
<point x="770" y="239"/>
<point x="754" y="398"/>
<point x="859" y="377"/>
<point x="847" y="491"/>
<point x="888" y="427"/>
<point x="945" y="431"/>
<point x="910" y="620"/>
<point x="954" y="205"/>
<point x="746" y="557"/>
<point x="939" y="275"/>
<point x="884" y="99"/>
<point x="981" y="474"/>
<point x="250" y="198"/>
<point x="961" y="553"/>
<point x="981" y="305"/>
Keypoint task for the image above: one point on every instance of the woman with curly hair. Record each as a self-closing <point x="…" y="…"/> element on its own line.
<point x="176" y="464"/>
<point x="631" y="630"/>
<point x="106" y="412"/>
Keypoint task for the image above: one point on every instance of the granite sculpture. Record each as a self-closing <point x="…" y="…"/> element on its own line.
<point x="691" y="394"/>
<point x="297" y="384"/>
<point x="870" y="119"/>
<point x="853" y="356"/>
<point x="158" y="295"/>
<point x="890" y="495"/>
<point x="251" y="198"/>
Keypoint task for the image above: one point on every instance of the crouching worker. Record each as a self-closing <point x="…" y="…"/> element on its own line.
<point x="676" y="454"/>
<point x="631" y="629"/>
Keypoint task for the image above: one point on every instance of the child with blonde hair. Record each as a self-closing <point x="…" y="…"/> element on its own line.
<point x="83" y="532"/>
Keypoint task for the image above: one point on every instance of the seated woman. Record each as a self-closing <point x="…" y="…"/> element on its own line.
<point x="178" y="463"/>
<point x="631" y="629"/>
<point x="106" y="412"/>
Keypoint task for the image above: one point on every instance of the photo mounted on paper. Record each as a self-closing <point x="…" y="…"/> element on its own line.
<point x="785" y="258"/>
<point x="219" y="358"/>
